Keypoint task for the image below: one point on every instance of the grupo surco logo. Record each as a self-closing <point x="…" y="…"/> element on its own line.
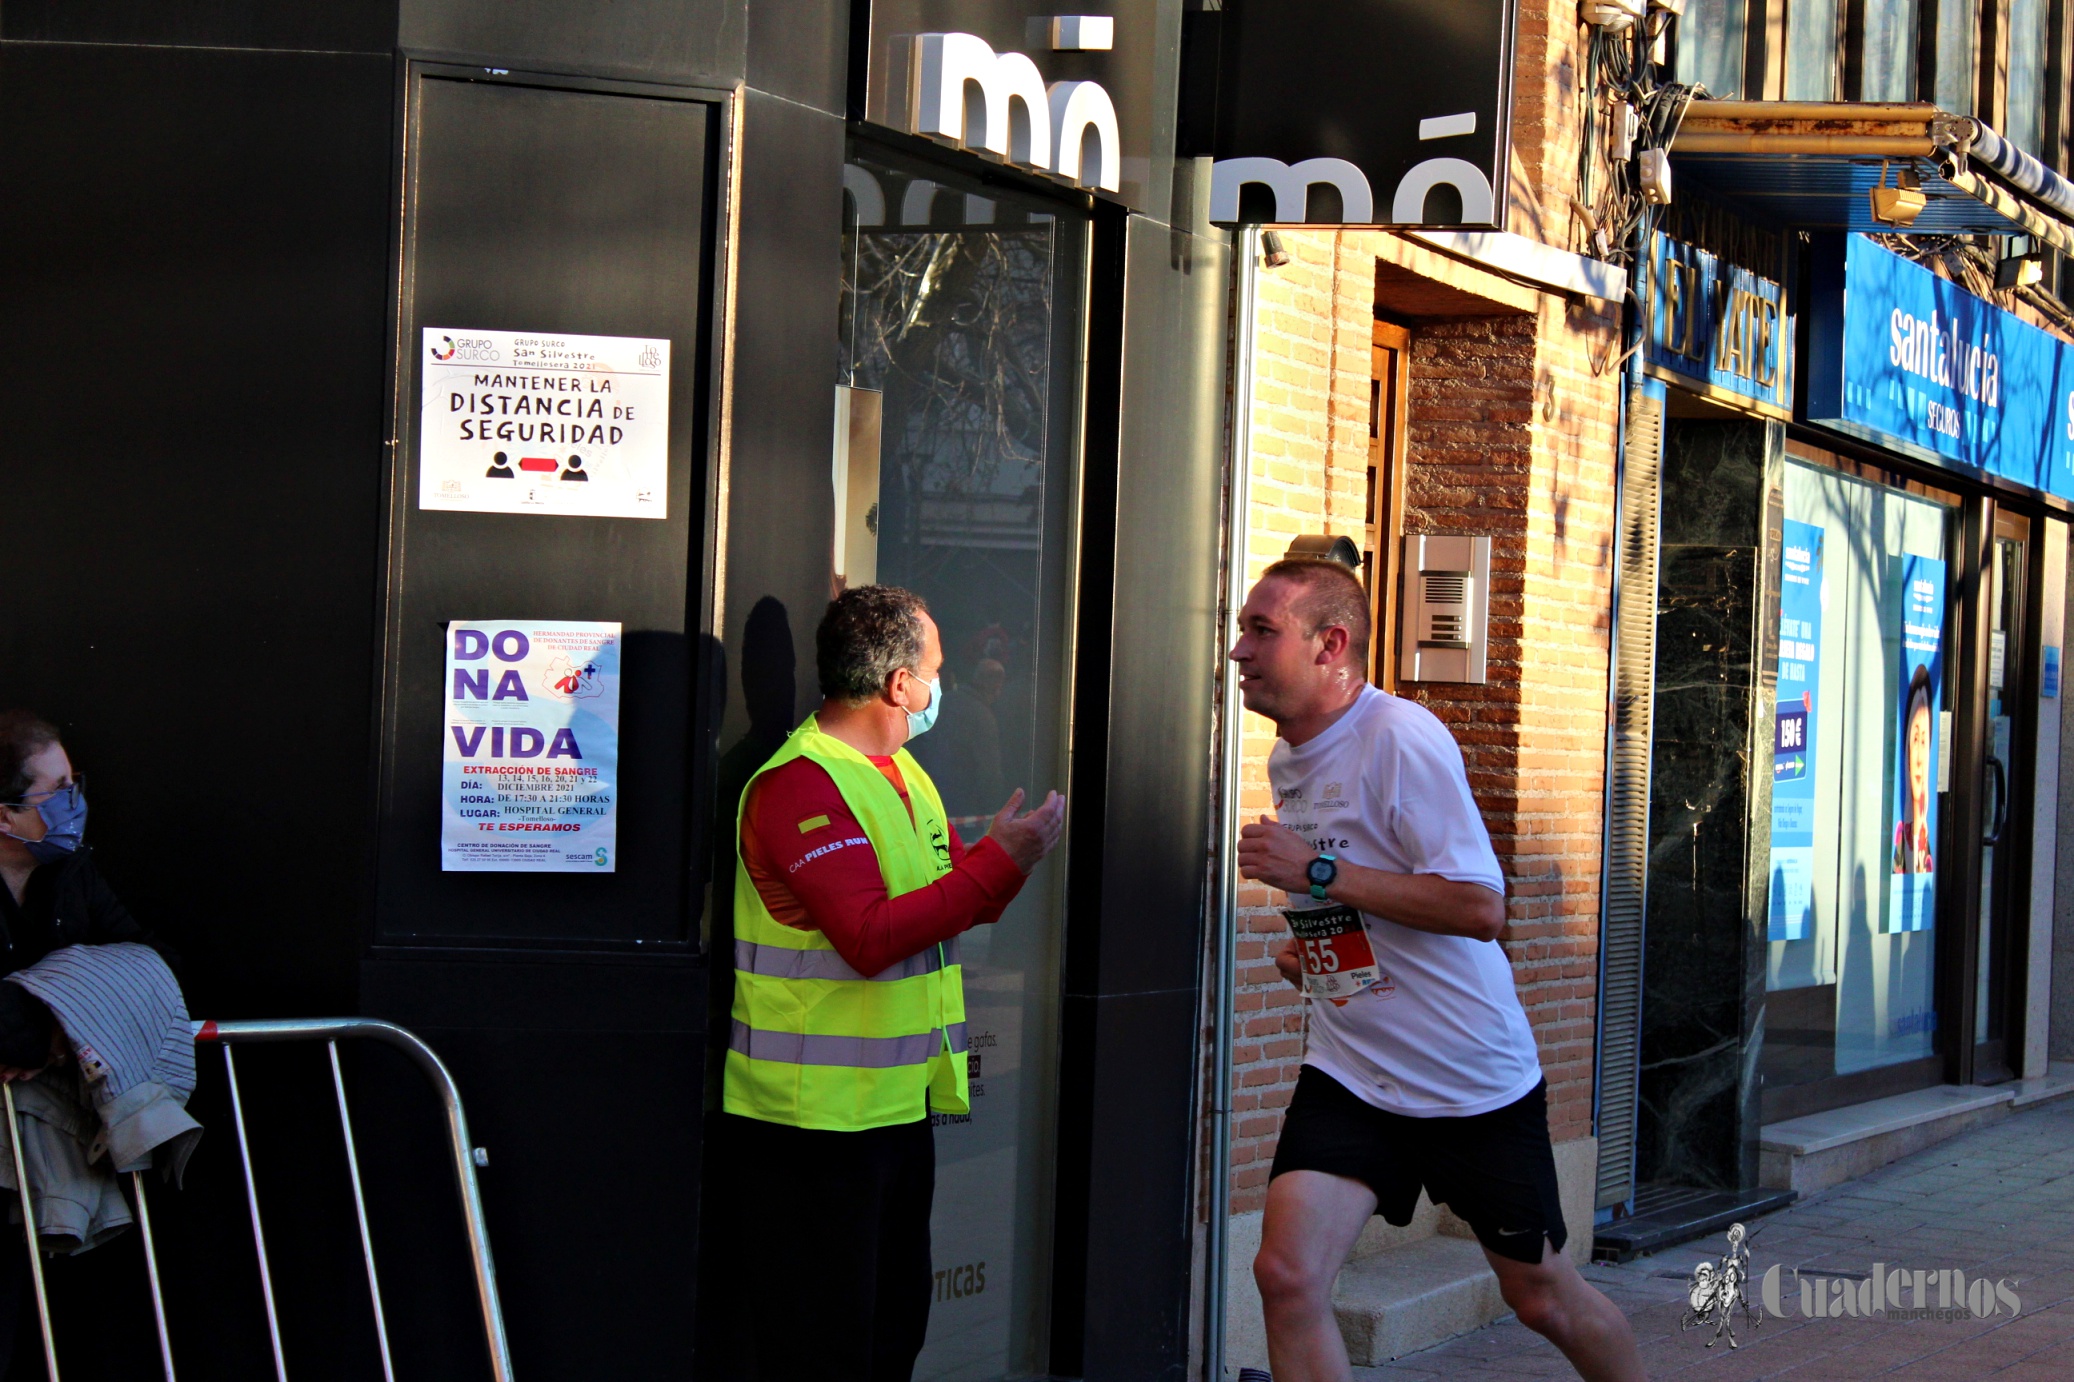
<point x="1717" y="1292"/>
<point x="469" y="349"/>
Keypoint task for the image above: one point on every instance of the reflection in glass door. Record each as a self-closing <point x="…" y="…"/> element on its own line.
<point x="2000" y="895"/>
<point x="955" y="474"/>
<point x="1859" y="782"/>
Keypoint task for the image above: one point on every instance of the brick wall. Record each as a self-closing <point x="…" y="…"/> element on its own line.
<point x="1310" y="474"/>
<point x="1547" y="124"/>
<point x="1512" y="436"/>
<point x="1511" y="432"/>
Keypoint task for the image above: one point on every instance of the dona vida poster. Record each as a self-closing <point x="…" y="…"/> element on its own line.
<point x="531" y="778"/>
<point x="1919" y="696"/>
<point x="1793" y="741"/>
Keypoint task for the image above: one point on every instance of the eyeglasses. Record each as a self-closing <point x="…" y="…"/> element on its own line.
<point x="73" y="789"/>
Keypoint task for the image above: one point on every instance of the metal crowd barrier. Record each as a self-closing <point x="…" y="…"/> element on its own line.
<point x="329" y="1030"/>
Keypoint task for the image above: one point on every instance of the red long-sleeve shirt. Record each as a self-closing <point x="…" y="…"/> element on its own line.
<point x="809" y="862"/>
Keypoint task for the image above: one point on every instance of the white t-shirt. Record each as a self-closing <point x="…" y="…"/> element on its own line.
<point x="1431" y="1026"/>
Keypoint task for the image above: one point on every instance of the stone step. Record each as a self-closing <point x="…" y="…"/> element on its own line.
<point x="1818" y="1150"/>
<point x="2055" y="1084"/>
<point x="1413" y="1297"/>
<point x="1665" y="1216"/>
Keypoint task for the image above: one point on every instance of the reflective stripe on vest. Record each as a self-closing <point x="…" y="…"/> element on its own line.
<point x="866" y="1053"/>
<point x="785" y="963"/>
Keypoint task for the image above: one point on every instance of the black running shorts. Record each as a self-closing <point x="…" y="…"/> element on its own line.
<point x="1496" y="1170"/>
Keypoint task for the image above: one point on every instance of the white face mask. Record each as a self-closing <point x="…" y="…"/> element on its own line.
<point x="920" y="721"/>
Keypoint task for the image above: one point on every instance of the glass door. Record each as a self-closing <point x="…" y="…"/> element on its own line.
<point x="2003" y="897"/>
<point x="956" y="472"/>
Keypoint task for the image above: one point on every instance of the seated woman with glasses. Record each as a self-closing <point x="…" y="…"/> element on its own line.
<point x="54" y="896"/>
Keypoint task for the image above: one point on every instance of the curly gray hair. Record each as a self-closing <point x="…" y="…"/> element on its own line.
<point x="868" y="634"/>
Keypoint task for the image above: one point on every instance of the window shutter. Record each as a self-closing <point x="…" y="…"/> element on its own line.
<point x="1627" y="801"/>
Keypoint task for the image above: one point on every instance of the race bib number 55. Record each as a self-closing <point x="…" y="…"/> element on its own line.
<point x="1338" y="961"/>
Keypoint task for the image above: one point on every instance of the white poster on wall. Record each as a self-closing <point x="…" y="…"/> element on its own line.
<point x="516" y="422"/>
<point x="531" y="778"/>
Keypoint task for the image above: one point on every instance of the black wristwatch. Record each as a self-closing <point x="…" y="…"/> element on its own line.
<point x="1321" y="871"/>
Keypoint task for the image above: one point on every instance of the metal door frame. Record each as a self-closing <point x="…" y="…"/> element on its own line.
<point x="711" y="390"/>
<point x="1966" y="824"/>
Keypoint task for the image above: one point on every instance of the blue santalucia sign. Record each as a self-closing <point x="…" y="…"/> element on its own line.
<point x="1911" y="361"/>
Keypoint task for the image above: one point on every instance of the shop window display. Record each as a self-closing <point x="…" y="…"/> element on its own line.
<point x="1858" y="778"/>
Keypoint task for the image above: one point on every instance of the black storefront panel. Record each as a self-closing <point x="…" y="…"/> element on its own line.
<point x="563" y="209"/>
<point x="1146" y="656"/>
<point x="347" y="26"/>
<point x="208" y="510"/>
<point x="558" y="212"/>
<point x="209" y="514"/>
<point x="646" y="40"/>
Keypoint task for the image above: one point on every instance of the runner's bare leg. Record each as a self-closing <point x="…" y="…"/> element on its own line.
<point x="1311" y="1223"/>
<point x="1551" y="1299"/>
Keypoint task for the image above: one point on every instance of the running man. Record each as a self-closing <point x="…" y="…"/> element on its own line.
<point x="1421" y="1069"/>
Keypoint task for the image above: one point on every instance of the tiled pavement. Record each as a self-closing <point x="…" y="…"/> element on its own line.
<point x="1997" y="1202"/>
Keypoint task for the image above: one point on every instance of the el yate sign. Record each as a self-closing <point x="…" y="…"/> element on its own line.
<point x="1358" y="112"/>
<point x="1718" y="328"/>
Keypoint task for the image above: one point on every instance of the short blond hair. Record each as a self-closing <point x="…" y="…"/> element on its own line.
<point x="1332" y="597"/>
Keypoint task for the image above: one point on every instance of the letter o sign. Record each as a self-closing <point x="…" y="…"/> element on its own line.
<point x="510" y="645"/>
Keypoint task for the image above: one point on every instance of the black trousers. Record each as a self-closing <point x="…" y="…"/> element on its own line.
<point x="831" y="1233"/>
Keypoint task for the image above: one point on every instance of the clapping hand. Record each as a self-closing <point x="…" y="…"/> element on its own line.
<point x="1031" y="836"/>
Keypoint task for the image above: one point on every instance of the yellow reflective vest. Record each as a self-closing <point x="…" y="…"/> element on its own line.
<point x="816" y="1044"/>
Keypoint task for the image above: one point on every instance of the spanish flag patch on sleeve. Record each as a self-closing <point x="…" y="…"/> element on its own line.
<point x="811" y="824"/>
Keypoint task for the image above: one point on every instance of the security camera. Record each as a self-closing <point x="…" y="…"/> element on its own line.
<point x="2020" y="270"/>
<point x="1900" y="204"/>
<point x="1653" y="172"/>
<point x="1614" y="16"/>
<point x="1272" y="255"/>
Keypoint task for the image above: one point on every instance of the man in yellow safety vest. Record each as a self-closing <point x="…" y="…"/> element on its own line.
<point x="849" y="1012"/>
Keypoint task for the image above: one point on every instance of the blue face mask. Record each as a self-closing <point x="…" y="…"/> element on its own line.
<point x="64" y="824"/>
<point x="920" y="721"/>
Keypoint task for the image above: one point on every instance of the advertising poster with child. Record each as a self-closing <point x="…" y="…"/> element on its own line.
<point x="1919" y="612"/>
<point x="531" y="778"/>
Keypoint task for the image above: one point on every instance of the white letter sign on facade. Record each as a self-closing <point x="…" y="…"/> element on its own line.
<point x="967" y="94"/>
<point x="1081" y="113"/>
<point x="1291" y="186"/>
<point x="1012" y="117"/>
<point x="1086" y="99"/>
<point x="1402" y="107"/>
